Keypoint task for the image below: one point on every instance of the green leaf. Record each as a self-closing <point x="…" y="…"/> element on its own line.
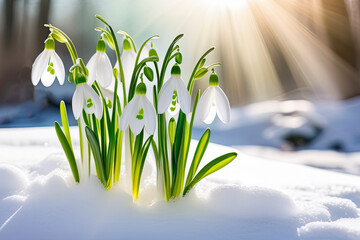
<point x="118" y="151"/>
<point x="200" y="73"/>
<point x="139" y="167"/>
<point x="136" y="72"/>
<point x="172" y="128"/>
<point x="181" y="161"/>
<point x="71" y="77"/>
<point x="65" y="123"/>
<point x="95" y="148"/>
<point x="199" y="153"/>
<point x="142" y="47"/>
<point x="210" y="168"/>
<point x="68" y="151"/>
<point x="197" y="66"/>
<point x="202" y="63"/>
<point x="111" y="162"/>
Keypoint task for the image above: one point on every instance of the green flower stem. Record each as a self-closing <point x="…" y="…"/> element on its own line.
<point x="70" y="45"/>
<point x="129" y="37"/>
<point x="142" y="47"/>
<point x="191" y="80"/>
<point x="118" y="57"/>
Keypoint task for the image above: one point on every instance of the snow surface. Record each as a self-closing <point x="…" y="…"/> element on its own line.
<point x="267" y="123"/>
<point x="252" y="198"/>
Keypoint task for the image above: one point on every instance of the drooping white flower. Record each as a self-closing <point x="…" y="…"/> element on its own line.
<point x="139" y="113"/>
<point x="213" y="101"/>
<point x="128" y="58"/>
<point x="175" y="83"/>
<point x="99" y="66"/>
<point x="47" y="66"/>
<point x="85" y="98"/>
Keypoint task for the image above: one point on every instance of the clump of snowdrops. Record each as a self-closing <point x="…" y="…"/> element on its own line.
<point x="132" y="108"/>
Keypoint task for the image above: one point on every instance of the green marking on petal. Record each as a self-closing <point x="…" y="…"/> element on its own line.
<point x="174" y="95"/>
<point x="109" y="104"/>
<point x="140" y="115"/>
<point x="89" y="103"/>
<point x="50" y="68"/>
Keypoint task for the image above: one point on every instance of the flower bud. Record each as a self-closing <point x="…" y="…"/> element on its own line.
<point x="178" y="58"/>
<point x="148" y="72"/>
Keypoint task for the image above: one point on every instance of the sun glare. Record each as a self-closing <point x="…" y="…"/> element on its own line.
<point x="269" y="48"/>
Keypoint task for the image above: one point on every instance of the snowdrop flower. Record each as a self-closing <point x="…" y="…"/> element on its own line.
<point x="48" y="65"/>
<point x="139" y="113"/>
<point x="175" y="83"/>
<point x="85" y="98"/>
<point x="214" y="101"/>
<point x="100" y="67"/>
<point x="128" y="58"/>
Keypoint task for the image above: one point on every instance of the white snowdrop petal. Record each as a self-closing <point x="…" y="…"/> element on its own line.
<point x="165" y="95"/>
<point x="97" y="104"/>
<point x="204" y="104"/>
<point x="211" y="115"/>
<point x="128" y="58"/>
<point x="105" y="71"/>
<point x="149" y="116"/>
<point x="91" y="66"/>
<point x="183" y="96"/>
<point x="39" y="66"/>
<point x="77" y="102"/>
<point x="47" y="78"/>
<point x="222" y="105"/>
<point x="136" y="125"/>
<point x="58" y="67"/>
<point x="129" y="113"/>
<point x="108" y="94"/>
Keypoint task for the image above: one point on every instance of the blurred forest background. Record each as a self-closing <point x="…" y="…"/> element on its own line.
<point x="269" y="49"/>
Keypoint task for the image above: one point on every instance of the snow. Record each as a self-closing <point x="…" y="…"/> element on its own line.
<point x="253" y="198"/>
<point x="332" y="125"/>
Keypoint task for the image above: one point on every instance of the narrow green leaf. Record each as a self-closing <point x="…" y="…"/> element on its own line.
<point x="202" y="62"/>
<point x="68" y="151"/>
<point x="172" y="128"/>
<point x="200" y="73"/>
<point x="111" y="161"/>
<point x="181" y="161"/>
<point x="95" y="148"/>
<point x="197" y="66"/>
<point x="211" y="167"/>
<point x="139" y="167"/>
<point x="199" y="153"/>
<point x="64" y="121"/>
<point x="136" y="73"/>
<point x="118" y="151"/>
<point x="142" y="47"/>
